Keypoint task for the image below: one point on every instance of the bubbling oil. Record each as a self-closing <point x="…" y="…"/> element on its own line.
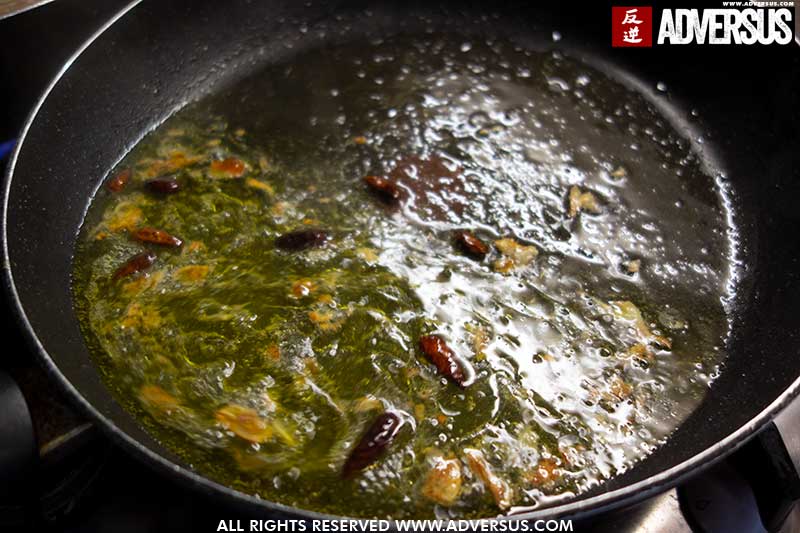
<point x="581" y="361"/>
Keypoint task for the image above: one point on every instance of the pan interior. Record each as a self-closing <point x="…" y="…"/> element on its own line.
<point x="583" y="359"/>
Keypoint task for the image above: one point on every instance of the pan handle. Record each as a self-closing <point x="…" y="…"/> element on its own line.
<point x="18" y="453"/>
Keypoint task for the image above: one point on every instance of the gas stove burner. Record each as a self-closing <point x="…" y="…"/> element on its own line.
<point x="6" y="148"/>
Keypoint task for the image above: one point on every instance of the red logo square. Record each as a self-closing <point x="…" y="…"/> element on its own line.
<point x="632" y="26"/>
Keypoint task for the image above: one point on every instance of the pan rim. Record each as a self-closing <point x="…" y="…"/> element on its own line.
<point x="580" y="508"/>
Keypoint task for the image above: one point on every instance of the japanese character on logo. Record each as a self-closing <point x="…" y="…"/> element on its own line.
<point x="630" y="17"/>
<point x="632" y="26"/>
<point x="632" y="35"/>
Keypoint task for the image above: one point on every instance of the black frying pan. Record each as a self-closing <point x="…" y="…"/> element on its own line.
<point x="155" y="56"/>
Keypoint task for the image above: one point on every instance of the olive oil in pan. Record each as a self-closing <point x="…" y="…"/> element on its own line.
<point x="417" y="277"/>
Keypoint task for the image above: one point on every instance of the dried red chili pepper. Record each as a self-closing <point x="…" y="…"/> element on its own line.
<point x="385" y="189"/>
<point x="301" y="239"/>
<point x="135" y="264"/>
<point x="471" y="245"/>
<point x="119" y="180"/>
<point x="157" y="236"/>
<point x="440" y="190"/>
<point x="163" y="185"/>
<point x="438" y="353"/>
<point x="373" y="443"/>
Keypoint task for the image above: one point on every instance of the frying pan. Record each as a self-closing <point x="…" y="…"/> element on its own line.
<point x="154" y="57"/>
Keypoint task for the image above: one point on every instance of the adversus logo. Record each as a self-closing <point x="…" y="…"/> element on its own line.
<point x="725" y="26"/>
